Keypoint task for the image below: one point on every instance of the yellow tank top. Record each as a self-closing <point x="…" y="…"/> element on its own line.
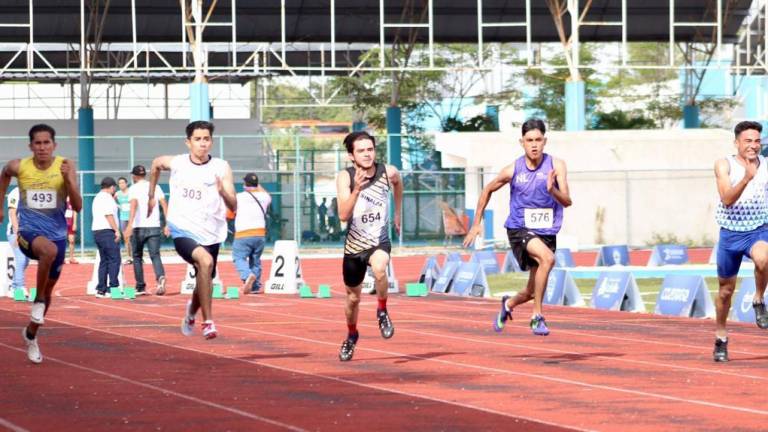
<point x="42" y="199"/>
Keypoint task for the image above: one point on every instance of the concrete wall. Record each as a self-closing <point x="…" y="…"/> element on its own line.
<point x="646" y="183"/>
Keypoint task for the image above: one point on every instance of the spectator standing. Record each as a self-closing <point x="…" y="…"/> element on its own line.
<point x="70" y="216"/>
<point x="106" y="233"/>
<point x="20" y="260"/>
<point x="123" y="201"/>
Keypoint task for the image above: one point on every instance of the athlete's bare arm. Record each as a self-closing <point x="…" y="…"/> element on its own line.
<point x="11" y="169"/>
<point x="160" y="163"/>
<point x="226" y="187"/>
<point x="730" y="194"/>
<point x="346" y="198"/>
<point x="397" y="185"/>
<point x="497" y="183"/>
<point x="70" y="182"/>
<point x="557" y="183"/>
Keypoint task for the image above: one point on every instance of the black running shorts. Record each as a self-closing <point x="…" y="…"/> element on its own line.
<point x="518" y="241"/>
<point x="185" y="246"/>
<point x="355" y="266"/>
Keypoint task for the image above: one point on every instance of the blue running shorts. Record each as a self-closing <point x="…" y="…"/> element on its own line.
<point x="733" y="246"/>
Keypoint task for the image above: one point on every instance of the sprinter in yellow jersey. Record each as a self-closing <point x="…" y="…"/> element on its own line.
<point x="45" y="182"/>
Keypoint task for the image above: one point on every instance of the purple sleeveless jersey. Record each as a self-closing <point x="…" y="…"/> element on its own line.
<point x="530" y="205"/>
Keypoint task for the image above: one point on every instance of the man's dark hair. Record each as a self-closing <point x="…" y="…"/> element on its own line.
<point x="200" y="124"/>
<point x="534" y="123"/>
<point x="746" y="125"/>
<point x="351" y="139"/>
<point x="108" y="182"/>
<point x="122" y="178"/>
<point x="42" y="127"/>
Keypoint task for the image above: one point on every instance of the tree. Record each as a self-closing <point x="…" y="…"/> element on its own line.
<point x="622" y="120"/>
<point x="549" y="100"/>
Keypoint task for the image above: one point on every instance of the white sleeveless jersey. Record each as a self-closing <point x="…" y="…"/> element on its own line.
<point x="368" y="227"/>
<point x="750" y="211"/>
<point x="195" y="208"/>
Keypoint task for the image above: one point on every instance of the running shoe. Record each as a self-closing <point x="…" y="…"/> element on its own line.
<point x="188" y="322"/>
<point x="38" y="313"/>
<point x="160" y="286"/>
<point x="720" y="354"/>
<point x="209" y="330"/>
<point x="385" y="324"/>
<point x="33" y="350"/>
<point x="539" y="326"/>
<point x="248" y="284"/>
<point x="761" y="315"/>
<point x="347" y="349"/>
<point x="100" y="294"/>
<point x="503" y="315"/>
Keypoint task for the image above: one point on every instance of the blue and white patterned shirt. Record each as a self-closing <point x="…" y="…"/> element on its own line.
<point x="750" y="211"/>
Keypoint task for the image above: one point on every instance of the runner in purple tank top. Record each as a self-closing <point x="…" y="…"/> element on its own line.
<point x="538" y="192"/>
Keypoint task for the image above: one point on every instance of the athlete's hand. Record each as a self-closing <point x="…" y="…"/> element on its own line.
<point x="150" y="205"/>
<point x="551" y="178"/>
<point x="397" y="224"/>
<point x="360" y="179"/>
<point x="128" y="232"/>
<point x="67" y="171"/>
<point x="166" y="231"/>
<point x="470" y="237"/>
<point x="750" y="171"/>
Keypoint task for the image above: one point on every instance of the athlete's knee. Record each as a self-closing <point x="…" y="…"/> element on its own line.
<point x="547" y="260"/>
<point x="726" y="290"/>
<point x="379" y="272"/>
<point x="761" y="261"/>
<point x="205" y="264"/>
<point x="47" y="254"/>
<point x="353" y="298"/>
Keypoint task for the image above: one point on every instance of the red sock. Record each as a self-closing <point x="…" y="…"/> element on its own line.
<point x="352" y="329"/>
<point x="382" y="304"/>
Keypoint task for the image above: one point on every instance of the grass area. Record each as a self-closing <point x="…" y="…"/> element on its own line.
<point x="649" y="288"/>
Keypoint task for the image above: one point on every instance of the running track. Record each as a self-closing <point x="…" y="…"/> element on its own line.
<point x="123" y="365"/>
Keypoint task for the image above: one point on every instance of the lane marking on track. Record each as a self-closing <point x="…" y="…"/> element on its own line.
<point x="317" y="375"/>
<point x="163" y="390"/>
<point x="462" y="365"/>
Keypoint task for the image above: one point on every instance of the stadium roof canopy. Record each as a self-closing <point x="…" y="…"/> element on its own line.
<point x="42" y="37"/>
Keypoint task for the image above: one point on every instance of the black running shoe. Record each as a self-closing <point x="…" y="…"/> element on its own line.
<point x="721" y="351"/>
<point x="385" y="325"/>
<point x="761" y="315"/>
<point x="347" y="349"/>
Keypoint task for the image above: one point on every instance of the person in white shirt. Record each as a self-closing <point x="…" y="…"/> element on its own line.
<point x="250" y="229"/>
<point x="106" y="233"/>
<point x="145" y="230"/>
<point x="201" y="191"/>
<point x="20" y="260"/>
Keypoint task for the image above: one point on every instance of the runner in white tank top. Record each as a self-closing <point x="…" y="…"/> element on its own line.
<point x="201" y="191"/>
<point x="742" y="214"/>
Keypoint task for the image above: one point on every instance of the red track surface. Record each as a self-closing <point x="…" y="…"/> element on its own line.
<point x="123" y="365"/>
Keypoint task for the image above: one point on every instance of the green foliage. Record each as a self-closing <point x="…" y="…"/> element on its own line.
<point x="549" y="101"/>
<point x="618" y="119"/>
<point x="479" y="123"/>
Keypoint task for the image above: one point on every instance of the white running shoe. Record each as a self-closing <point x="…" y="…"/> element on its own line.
<point x="188" y="322"/>
<point x="160" y="286"/>
<point x="38" y="313"/>
<point x="33" y="350"/>
<point x="209" y="330"/>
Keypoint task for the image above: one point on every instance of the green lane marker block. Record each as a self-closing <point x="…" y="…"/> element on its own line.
<point x="18" y="295"/>
<point x="116" y="293"/>
<point x="129" y="293"/>
<point x="305" y="291"/>
<point x="415" y="289"/>
<point x="324" y="291"/>
<point x="218" y="291"/>
<point x="233" y="292"/>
